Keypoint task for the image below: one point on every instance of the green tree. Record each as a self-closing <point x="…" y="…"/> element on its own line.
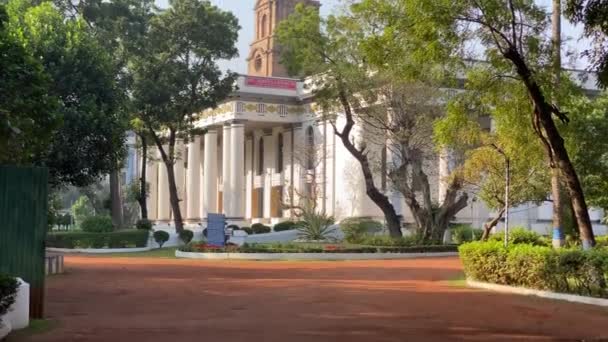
<point x="81" y="209"/>
<point x="503" y="136"/>
<point x="91" y="138"/>
<point x="28" y="113"/>
<point x="324" y="49"/>
<point x="512" y="35"/>
<point x="176" y="76"/>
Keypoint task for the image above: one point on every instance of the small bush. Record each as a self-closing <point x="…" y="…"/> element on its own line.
<point x="520" y="235"/>
<point x="143" y="224"/>
<point x="462" y="233"/>
<point x="8" y="293"/>
<point x="538" y="267"/>
<point x="285" y="225"/>
<point x="233" y="227"/>
<point x="357" y="228"/>
<point x="97" y="224"/>
<point x="387" y="241"/>
<point x="161" y="236"/>
<point x="315" y="226"/>
<point x="119" y="239"/>
<point x="259" y="228"/>
<point x="185" y="235"/>
<point x="248" y="230"/>
<point x="601" y="241"/>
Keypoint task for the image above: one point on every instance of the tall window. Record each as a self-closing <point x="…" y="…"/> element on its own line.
<point x="263" y="24"/>
<point x="280" y="153"/>
<point x="310" y="148"/>
<point x="261" y="156"/>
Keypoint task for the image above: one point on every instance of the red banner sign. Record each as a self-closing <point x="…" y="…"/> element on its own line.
<point x="276" y="83"/>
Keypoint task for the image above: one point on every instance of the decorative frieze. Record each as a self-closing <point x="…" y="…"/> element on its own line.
<point x="259" y="108"/>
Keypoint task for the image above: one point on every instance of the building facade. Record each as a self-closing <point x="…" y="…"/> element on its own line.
<point x="267" y="146"/>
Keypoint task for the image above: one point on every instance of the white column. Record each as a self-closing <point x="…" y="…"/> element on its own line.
<point x="227" y="189"/>
<point x="180" y="175"/>
<point x="193" y="181"/>
<point x="152" y="181"/>
<point x="267" y="175"/>
<point x="210" y="173"/>
<point x="237" y="170"/>
<point x="164" y="203"/>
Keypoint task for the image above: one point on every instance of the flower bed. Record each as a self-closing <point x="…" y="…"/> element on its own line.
<point x="118" y="239"/>
<point x="538" y="267"/>
<point x="304" y="248"/>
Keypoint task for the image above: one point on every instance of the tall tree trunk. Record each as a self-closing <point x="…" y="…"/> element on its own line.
<point x="169" y="161"/>
<point x="116" y="200"/>
<point x="393" y="222"/>
<point x="548" y="133"/>
<point x="143" y="183"/>
<point x="488" y="226"/>
<point x="557" y="67"/>
<point x="174" y="199"/>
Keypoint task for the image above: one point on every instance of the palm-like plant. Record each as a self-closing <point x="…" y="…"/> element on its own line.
<point x="314" y="225"/>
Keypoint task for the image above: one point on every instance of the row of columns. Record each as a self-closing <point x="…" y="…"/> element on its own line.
<point x="200" y="195"/>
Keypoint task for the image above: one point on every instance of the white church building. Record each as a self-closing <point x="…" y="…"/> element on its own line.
<point x="267" y="143"/>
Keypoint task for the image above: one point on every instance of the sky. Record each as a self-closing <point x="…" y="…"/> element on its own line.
<point x="243" y="9"/>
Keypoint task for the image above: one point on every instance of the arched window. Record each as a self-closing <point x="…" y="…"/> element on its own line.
<point x="261" y="156"/>
<point x="258" y="63"/>
<point x="310" y="148"/>
<point x="280" y="153"/>
<point x="263" y="23"/>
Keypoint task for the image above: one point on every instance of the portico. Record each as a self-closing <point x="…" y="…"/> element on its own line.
<point x="245" y="164"/>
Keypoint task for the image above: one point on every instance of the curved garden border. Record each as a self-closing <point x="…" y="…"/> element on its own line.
<point x="98" y="250"/>
<point x="309" y="256"/>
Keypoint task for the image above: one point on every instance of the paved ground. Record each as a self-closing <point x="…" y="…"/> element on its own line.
<point x="143" y="299"/>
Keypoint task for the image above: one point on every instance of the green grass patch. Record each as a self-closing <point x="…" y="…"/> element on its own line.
<point x="458" y="281"/>
<point x="163" y="253"/>
<point x="36" y="327"/>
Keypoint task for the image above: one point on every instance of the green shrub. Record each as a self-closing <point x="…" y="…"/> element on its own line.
<point x="357" y="228"/>
<point x="462" y="233"/>
<point x="520" y="235"/>
<point x="387" y="241"/>
<point x="119" y="239"/>
<point x="8" y="293"/>
<point x="186" y="235"/>
<point x="538" y="267"/>
<point x="97" y="224"/>
<point x="233" y="227"/>
<point x="82" y="209"/>
<point x="259" y="228"/>
<point x="285" y="225"/>
<point x="291" y="247"/>
<point x="161" y="236"/>
<point x="248" y="230"/>
<point x="601" y="241"/>
<point x="143" y="224"/>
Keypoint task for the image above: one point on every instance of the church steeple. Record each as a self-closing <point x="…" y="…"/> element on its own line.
<point x="264" y="55"/>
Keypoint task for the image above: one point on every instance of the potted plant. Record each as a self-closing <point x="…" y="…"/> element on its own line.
<point x="8" y="295"/>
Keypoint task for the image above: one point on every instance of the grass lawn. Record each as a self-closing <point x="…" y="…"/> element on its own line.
<point x="165" y="253"/>
<point x="37" y="326"/>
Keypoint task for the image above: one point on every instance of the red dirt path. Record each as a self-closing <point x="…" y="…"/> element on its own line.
<point x="140" y="299"/>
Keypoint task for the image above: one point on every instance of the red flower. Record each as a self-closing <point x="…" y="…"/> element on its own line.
<point x="331" y="247"/>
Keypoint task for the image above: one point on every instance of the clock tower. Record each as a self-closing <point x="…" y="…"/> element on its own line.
<point x="264" y="54"/>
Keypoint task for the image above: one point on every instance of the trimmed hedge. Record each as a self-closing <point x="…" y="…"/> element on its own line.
<point x="302" y="248"/>
<point x="143" y="224"/>
<point x="538" y="267"/>
<point x="285" y="225"/>
<point x="258" y="228"/>
<point x="521" y="235"/>
<point x="118" y="239"/>
<point x="97" y="224"/>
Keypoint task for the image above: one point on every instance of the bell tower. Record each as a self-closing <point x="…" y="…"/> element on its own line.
<point x="264" y="54"/>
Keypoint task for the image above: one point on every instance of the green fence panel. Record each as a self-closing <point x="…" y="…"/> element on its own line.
<point x="23" y="226"/>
